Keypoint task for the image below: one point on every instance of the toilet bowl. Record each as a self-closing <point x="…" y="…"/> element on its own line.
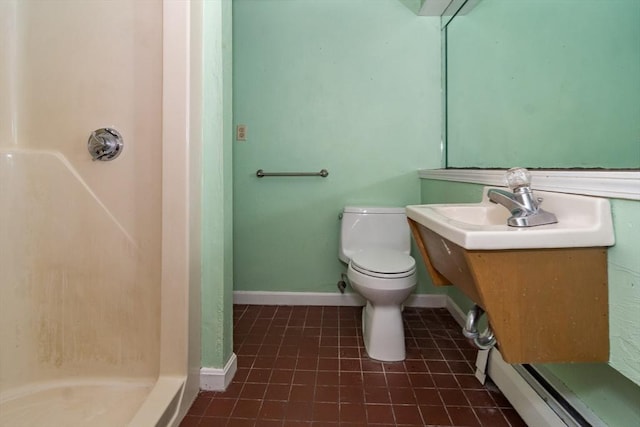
<point x="375" y="242"/>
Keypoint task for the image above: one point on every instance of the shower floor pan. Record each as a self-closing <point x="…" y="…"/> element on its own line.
<point x="97" y="404"/>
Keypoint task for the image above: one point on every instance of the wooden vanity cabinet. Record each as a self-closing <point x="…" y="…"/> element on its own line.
<point x="544" y="305"/>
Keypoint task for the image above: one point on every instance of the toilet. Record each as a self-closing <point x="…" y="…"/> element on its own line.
<point x="375" y="243"/>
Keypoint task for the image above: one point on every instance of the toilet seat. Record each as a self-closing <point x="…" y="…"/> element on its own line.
<point x="383" y="263"/>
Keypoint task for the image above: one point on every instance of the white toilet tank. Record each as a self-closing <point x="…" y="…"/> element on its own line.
<point x="373" y="227"/>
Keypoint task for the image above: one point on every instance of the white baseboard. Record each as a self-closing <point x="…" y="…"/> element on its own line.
<point x="296" y="298"/>
<point x="456" y="312"/>
<point x="427" y="300"/>
<point x="327" y="298"/>
<point x="218" y="379"/>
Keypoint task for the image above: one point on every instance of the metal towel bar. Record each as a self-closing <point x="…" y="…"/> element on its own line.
<point x="323" y="173"/>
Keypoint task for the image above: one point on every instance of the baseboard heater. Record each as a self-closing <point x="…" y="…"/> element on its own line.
<point x="561" y="406"/>
<point x="540" y="398"/>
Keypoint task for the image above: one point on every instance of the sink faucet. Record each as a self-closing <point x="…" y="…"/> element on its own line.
<point x="524" y="207"/>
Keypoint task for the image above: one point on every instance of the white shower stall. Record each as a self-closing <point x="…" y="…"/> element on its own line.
<point x="99" y="297"/>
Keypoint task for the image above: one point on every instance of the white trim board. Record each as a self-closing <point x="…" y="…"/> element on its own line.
<point x="327" y="298"/>
<point x="611" y="184"/>
<point x="296" y="298"/>
<point x="218" y="379"/>
<point x="456" y="312"/>
<point x="446" y="7"/>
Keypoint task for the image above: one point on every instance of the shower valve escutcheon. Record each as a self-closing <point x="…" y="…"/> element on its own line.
<point x="105" y="144"/>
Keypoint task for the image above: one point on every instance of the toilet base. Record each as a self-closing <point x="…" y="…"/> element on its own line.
<point x="383" y="332"/>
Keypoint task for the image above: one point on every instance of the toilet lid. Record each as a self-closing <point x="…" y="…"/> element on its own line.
<point x="383" y="261"/>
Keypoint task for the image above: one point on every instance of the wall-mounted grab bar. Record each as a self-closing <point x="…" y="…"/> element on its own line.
<point x="323" y="173"/>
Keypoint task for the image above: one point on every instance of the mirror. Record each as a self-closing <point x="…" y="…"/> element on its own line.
<point x="544" y="84"/>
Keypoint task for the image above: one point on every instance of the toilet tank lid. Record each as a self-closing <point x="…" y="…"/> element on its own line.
<point x="373" y="210"/>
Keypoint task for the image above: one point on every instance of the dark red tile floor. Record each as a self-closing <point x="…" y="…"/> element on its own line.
<point x="307" y="366"/>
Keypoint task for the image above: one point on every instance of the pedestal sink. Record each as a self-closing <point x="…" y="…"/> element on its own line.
<point x="543" y="288"/>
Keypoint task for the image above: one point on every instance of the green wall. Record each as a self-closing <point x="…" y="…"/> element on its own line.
<point x="353" y="87"/>
<point x="592" y="382"/>
<point x="350" y="86"/>
<point x="541" y="83"/>
<point x="217" y="220"/>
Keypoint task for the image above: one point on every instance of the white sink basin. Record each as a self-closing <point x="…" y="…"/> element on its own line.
<point x="583" y="221"/>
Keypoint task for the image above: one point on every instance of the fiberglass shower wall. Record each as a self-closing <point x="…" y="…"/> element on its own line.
<point x="79" y="240"/>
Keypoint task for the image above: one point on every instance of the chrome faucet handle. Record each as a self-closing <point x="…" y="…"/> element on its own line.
<point x="519" y="181"/>
<point x="521" y="202"/>
<point x="517" y="178"/>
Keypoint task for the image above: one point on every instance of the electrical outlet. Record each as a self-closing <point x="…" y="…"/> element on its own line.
<point x="241" y="132"/>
